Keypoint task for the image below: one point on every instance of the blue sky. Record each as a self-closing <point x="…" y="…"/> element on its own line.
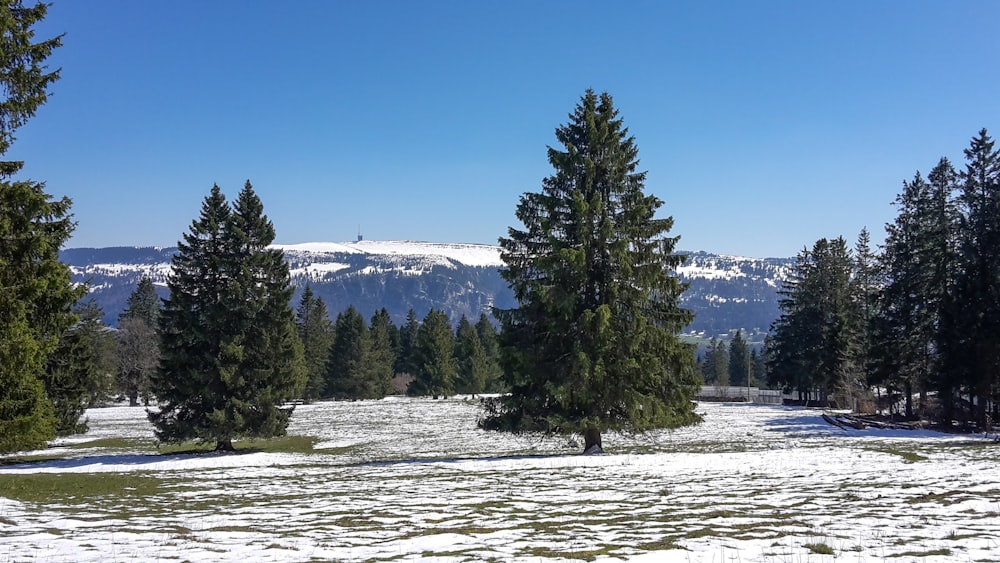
<point x="762" y="125"/>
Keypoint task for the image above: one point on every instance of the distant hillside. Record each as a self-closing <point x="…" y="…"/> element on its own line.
<point x="726" y="292"/>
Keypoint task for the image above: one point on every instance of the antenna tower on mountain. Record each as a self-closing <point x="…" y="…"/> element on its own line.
<point x="360" y="238"/>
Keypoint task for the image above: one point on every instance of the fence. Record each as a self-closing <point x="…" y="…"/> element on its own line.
<point x="740" y="394"/>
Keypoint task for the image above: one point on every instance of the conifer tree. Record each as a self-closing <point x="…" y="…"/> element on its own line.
<point x="231" y="355"/>
<point x="407" y="337"/>
<point x="138" y="342"/>
<point x="811" y="340"/>
<point x="383" y="354"/>
<point x="36" y="294"/>
<point x="473" y="368"/>
<point x="715" y="367"/>
<point x="975" y="311"/>
<point x="739" y="361"/>
<point x="78" y="372"/>
<point x="593" y="342"/>
<point x="434" y="357"/>
<point x="317" y="333"/>
<point x="491" y="349"/>
<point x="348" y="370"/>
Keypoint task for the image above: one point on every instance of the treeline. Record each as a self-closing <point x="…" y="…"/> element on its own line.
<point x="354" y="359"/>
<point x="916" y="322"/>
<point x="736" y="363"/>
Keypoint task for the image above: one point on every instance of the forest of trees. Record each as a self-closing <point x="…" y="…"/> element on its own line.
<point x="592" y="344"/>
<point x="917" y="322"/>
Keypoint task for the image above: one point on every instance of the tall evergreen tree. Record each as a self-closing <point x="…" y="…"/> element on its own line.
<point x="491" y="349"/>
<point x="976" y="306"/>
<point x="473" y="367"/>
<point x="811" y="340"/>
<point x="715" y="367"/>
<point x="865" y="288"/>
<point x="317" y="333"/>
<point x="593" y="342"/>
<point x="434" y="357"/>
<point x="36" y="294"/>
<point x="739" y="361"/>
<point x="78" y="372"/>
<point x="383" y="354"/>
<point x="138" y="342"/>
<point x="407" y="337"/>
<point x="231" y="355"/>
<point x="348" y="372"/>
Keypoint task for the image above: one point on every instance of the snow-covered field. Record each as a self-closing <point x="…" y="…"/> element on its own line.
<point x="411" y="479"/>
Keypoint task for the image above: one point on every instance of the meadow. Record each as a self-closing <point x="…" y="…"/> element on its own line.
<point x="413" y="479"/>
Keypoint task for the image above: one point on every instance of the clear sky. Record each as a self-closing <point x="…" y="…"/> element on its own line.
<point x="764" y="126"/>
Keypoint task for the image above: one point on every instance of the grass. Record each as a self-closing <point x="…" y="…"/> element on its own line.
<point x="819" y="548"/>
<point x="75" y="488"/>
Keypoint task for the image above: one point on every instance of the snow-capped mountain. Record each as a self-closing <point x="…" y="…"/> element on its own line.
<point x="725" y="292"/>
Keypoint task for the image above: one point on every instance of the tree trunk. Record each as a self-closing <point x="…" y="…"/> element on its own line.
<point x="133" y="399"/>
<point x="591" y="438"/>
<point x="225" y="445"/>
<point x="909" y="399"/>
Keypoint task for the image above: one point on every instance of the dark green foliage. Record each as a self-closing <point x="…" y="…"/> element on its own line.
<point x="78" y="373"/>
<point x="348" y="369"/>
<point x="36" y="295"/>
<point x="231" y="354"/>
<point x="143" y="304"/>
<point x="138" y="342"/>
<point x="24" y="76"/>
<point x="407" y="337"/>
<point x="811" y="341"/>
<point x="739" y="360"/>
<point x="491" y="349"/>
<point x="317" y="333"/>
<point x="974" y="318"/>
<point x="593" y="342"/>
<point x="26" y="416"/>
<point x="473" y="365"/>
<point x="434" y="362"/>
<point x="382" y="357"/>
<point x="715" y="366"/>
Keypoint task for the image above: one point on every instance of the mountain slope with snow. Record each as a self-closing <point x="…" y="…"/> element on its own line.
<point x="725" y="292"/>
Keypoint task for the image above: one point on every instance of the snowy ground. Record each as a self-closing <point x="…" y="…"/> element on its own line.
<point x="407" y="479"/>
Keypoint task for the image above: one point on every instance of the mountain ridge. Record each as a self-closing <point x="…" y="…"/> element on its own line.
<point x="725" y="292"/>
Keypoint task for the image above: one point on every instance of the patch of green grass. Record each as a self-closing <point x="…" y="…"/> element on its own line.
<point x="819" y="548"/>
<point x="282" y="444"/>
<point x="658" y="545"/>
<point x="76" y="488"/>
<point x="116" y="444"/>
<point x="944" y="498"/>
<point x="586" y="555"/>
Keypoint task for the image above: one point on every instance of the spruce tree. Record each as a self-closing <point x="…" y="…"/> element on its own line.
<point x="434" y="362"/>
<point x="739" y="361"/>
<point x="407" y="337"/>
<point x="382" y="358"/>
<point x="715" y="367"/>
<point x="811" y="339"/>
<point x="593" y="342"/>
<point x="78" y="372"/>
<point x="491" y="349"/>
<point x="976" y="307"/>
<point x="473" y="367"/>
<point x="348" y="367"/>
<point x="317" y="333"/>
<point x="138" y="346"/>
<point x="231" y="355"/>
<point x="36" y="294"/>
